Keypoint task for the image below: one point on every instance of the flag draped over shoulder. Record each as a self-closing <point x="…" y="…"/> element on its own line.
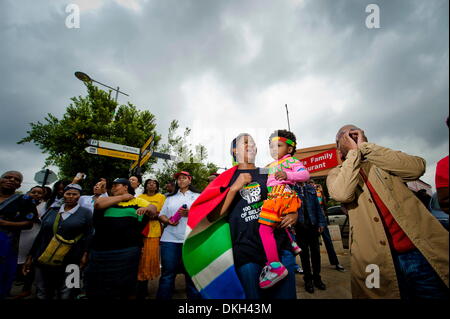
<point x="207" y="250"/>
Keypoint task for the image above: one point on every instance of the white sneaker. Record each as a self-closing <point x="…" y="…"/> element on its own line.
<point x="271" y="274"/>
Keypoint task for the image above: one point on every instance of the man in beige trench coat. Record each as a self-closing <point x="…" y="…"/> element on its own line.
<point x="390" y="229"/>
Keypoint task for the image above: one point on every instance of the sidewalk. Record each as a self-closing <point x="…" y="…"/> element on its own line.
<point x="338" y="283"/>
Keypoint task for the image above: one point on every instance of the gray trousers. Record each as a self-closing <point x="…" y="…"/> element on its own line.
<point x="51" y="283"/>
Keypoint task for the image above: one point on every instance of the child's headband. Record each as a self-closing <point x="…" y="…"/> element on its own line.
<point x="284" y="139"/>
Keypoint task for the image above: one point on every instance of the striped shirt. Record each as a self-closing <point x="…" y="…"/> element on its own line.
<point x="119" y="226"/>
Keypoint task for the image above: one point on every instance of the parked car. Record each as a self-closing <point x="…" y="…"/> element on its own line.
<point x="336" y="216"/>
<point x="437" y="212"/>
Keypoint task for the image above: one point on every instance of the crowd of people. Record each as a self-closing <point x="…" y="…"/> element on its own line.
<point x="115" y="237"/>
<point x="121" y="240"/>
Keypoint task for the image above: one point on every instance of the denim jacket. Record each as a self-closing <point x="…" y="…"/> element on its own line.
<point x="308" y="196"/>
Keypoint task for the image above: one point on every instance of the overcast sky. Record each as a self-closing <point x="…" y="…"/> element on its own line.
<point x="225" y="67"/>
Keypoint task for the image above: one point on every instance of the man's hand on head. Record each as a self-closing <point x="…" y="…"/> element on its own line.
<point x="346" y="143"/>
<point x="358" y="136"/>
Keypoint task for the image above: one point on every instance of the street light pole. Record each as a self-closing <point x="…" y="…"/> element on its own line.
<point x="86" y="78"/>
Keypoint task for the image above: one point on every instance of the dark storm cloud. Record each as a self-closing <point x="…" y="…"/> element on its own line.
<point x="399" y="73"/>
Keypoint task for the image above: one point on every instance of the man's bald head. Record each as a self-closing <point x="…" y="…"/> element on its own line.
<point x="19" y="174"/>
<point x="10" y="181"/>
<point x="344" y="129"/>
<point x="344" y="138"/>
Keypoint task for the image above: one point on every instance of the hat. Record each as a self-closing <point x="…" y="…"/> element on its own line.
<point x="182" y="173"/>
<point x="124" y="181"/>
<point x="73" y="186"/>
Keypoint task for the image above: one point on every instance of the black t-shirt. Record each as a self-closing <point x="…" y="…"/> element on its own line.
<point x="19" y="210"/>
<point x="244" y="225"/>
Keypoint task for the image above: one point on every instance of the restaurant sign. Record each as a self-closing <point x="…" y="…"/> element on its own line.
<point x="321" y="161"/>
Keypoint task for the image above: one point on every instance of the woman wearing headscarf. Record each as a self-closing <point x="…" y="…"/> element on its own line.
<point x="69" y="225"/>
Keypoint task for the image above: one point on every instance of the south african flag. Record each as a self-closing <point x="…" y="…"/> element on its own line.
<point x="207" y="251"/>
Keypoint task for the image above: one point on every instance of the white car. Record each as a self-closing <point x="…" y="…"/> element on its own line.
<point x="336" y="216"/>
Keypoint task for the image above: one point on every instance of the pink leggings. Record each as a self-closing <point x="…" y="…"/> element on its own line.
<point x="269" y="243"/>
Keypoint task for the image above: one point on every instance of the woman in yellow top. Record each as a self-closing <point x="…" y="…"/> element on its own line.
<point x="149" y="267"/>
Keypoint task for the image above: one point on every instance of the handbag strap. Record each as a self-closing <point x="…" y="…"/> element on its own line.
<point x="55" y="227"/>
<point x="56" y="222"/>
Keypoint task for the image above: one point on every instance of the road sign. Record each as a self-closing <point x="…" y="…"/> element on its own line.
<point x="146" y="153"/>
<point x="155" y="154"/>
<point x="145" y="158"/>
<point x="165" y="156"/>
<point x="145" y="146"/>
<point x="111" y="153"/>
<point x="134" y="164"/>
<point x="40" y="177"/>
<point x="114" y="146"/>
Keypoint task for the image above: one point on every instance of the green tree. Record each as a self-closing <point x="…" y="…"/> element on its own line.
<point x="95" y="116"/>
<point x="193" y="159"/>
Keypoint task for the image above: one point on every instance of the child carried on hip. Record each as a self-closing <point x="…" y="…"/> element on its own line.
<point x="284" y="172"/>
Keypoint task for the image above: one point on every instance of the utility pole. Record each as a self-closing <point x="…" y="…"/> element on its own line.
<point x="287" y="115"/>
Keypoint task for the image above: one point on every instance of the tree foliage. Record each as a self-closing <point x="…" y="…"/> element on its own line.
<point x="193" y="159"/>
<point x="95" y="116"/>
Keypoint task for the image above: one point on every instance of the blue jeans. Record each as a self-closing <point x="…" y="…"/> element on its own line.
<point x="172" y="264"/>
<point x="417" y="279"/>
<point x="249" y="276"/>
<point x="332" y="257"/>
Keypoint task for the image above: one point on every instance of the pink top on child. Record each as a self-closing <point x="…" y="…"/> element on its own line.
<point x="294" y="169"/>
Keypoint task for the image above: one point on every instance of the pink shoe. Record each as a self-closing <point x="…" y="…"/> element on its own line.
<point x="295" y="249"/>
<point x="271" y="274"/>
